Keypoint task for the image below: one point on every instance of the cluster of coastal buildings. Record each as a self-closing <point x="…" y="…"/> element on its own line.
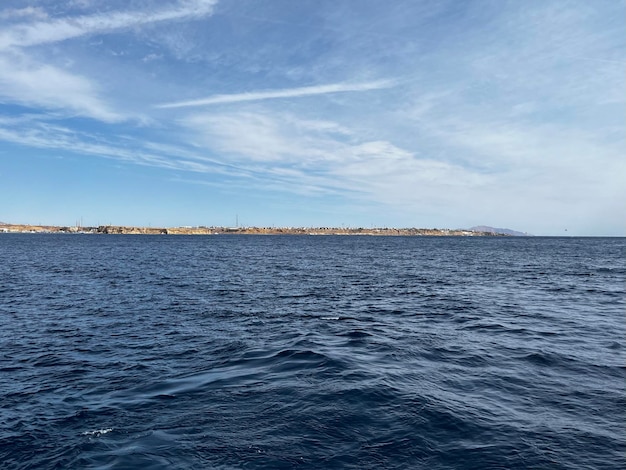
<point x="203" y="230"/>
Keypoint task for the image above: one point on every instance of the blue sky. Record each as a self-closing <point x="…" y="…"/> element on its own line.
<point x="315" y="113"/>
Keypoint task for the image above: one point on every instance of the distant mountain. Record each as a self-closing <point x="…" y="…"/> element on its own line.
<point x="503" y="231"/>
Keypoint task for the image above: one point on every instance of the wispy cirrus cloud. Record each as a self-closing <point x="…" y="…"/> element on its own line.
<point x="55" y="30"/>
<point x="536" y="170"/>
<point x="284" y="93"/>
<point x="28" y="81"/>
<point x="326" y="156"/>
<point x="35" y="132"/>
<point x="26" y="12"/>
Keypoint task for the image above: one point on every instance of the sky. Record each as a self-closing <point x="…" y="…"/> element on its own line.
<point x="355" y="113"/>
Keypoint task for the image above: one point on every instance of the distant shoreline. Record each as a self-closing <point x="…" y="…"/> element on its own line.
<point x="203" y="230"/>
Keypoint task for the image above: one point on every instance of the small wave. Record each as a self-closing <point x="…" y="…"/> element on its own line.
<point x="611" y="270"/>
<point x="356" y="334"/>
<point x="97" y="432"/>
<point x="541" y="359"/>
<point x="552" y="359"/>
<point x="290" y="359"/>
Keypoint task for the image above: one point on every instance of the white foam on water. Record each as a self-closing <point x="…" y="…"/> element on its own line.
<point x="97" y="432"/>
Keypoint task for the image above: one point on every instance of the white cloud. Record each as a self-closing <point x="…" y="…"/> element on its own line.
<point x="536" y="172"/>
<point x="151" y="57"/>
<point x="26" y="12"/>
<point x="44" y="32"/>
<point x="284" y="93"/>
<point x="39" y="134"/>
<point x="27" y="81"/>
<point x="521" y="175"/>
<point x="313" y="154"/>
<point x="31" y="84"/>
<point x="261" y="137"/>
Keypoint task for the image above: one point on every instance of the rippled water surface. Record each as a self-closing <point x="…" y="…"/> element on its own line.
<point x="121" y="352"/>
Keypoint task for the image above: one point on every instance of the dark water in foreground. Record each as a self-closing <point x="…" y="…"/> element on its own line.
<point x="311" y="352"/>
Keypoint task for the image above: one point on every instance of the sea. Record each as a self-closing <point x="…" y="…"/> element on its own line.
<point x="312" y="352"/>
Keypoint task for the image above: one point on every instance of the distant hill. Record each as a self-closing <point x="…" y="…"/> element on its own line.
<point x="503" y="231"/>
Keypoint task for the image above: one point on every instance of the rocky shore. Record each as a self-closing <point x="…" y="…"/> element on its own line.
<point x="202" y="230"/>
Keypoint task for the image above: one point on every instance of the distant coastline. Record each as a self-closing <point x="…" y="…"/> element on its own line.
<point x="204" y="230"/>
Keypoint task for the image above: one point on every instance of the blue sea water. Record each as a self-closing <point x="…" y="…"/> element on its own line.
<point x="228" y="352"/>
